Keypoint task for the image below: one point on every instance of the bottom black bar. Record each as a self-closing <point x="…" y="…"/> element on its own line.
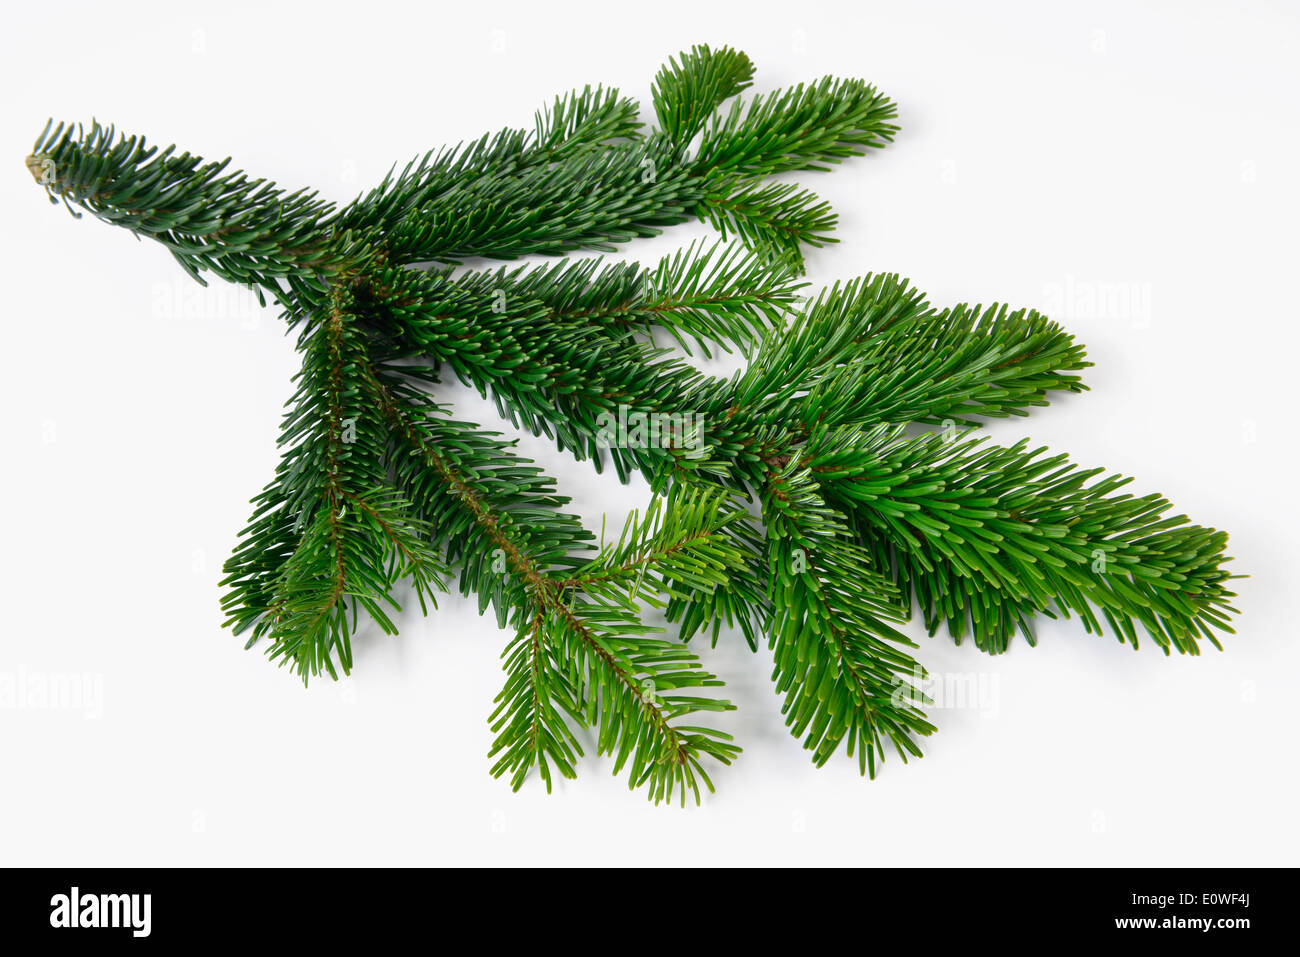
<point x="149" y="907"/>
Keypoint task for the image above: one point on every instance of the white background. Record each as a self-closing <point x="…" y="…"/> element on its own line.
<point x="1132" y="166"/>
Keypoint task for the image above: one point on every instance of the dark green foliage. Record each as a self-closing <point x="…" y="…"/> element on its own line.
<point x="688" y="90"/>
<point x="329" y="535"/>
<point x="244" y="230"/>
<point x="791" y="501"/>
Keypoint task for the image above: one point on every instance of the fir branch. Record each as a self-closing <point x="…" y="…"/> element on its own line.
<point x="956" y="366"/>
<point x="768" y="414"/>
<point x="629" y="680"/>
<point x="246" y="231"/>
<point x="689" y="88"/>
<point x="706" y="294"/>
<point x="328" y="537"/>
<point x="534" y="710"/>
<point x="838" y="657"/>
<point x="986" y="534"/>
<point x="565" y="381"/>
<point x="775" y="219"/>
<point x="591" y="118"/>
<point x="802" y="128"/>
<point x="378" y="484"/>
<point x="602" y="192"/>
<point x="594" y="200"/>
<point x="742" y="602"/>
<point x="583" y="178"/>
<point x="618" y="676"/>
<point x="491" y="511"/>
<point x="674" y="550"/>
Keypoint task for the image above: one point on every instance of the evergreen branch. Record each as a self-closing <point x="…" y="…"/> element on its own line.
<point x="617" y="676"/>
<point x="534" y="710"/>
<point x="776" y="220"/>
<point x="719" y="294"/>
<point x="583" y="178"/>
<point x="705" y="294"/>
<point x="802" y="128"/>
<point x="496" y="515"/>
<point x="951" y="366"/>
<point x="594" y="199"/>
<point x="247" y="231"/>
<point x="328" y="536"/>
<point x="628" y="681"/>
<point x="600" y="192"/>
<point x="986" y="534"/>
<point x="873" y="350"/>
<point x="575" y="121"/>
<point x="838" y="658"/>
<point x="379" y="484"/>
<point x="781" y="386"/>
<point x="675" y="549"/>
<point x="824" y="336"/>
<point x="741" y="602"/>
<point x="589" y="118"/>
<point x="566" y="381"/>
<point x="690" y="87"/>
<point x="823" y="368"/>
<point x="863" y="731"/>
